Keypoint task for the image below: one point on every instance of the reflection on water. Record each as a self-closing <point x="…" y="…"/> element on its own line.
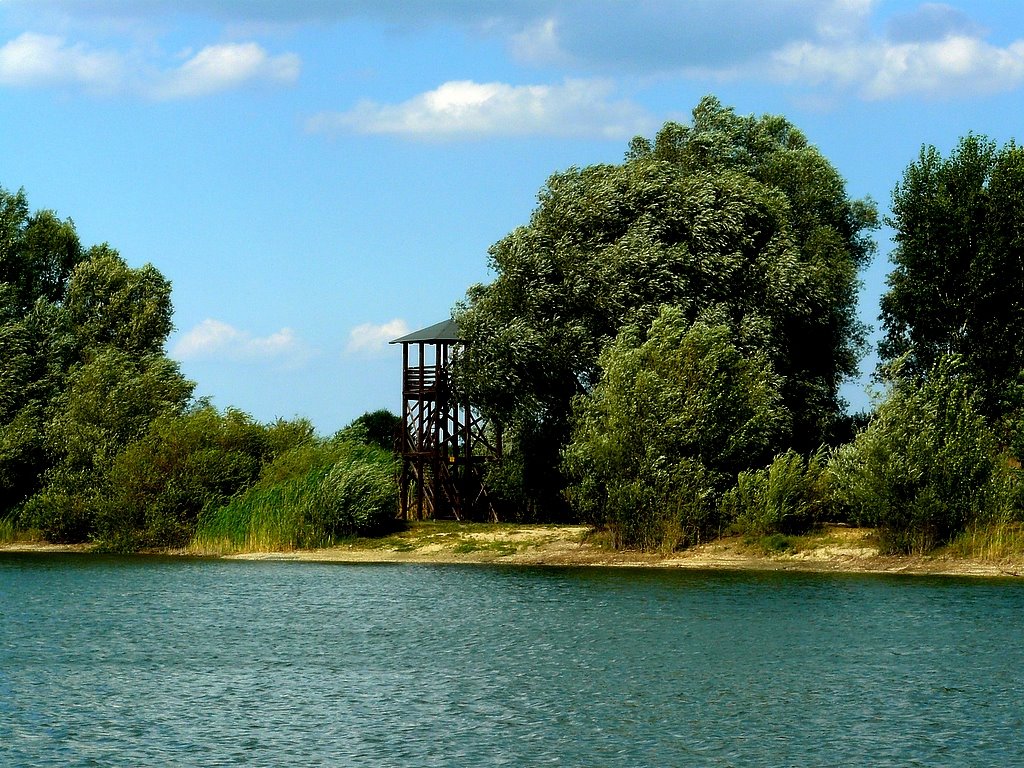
<point x="148" y="662"/>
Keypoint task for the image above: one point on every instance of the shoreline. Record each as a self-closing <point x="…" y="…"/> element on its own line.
<point x="836" y="549"/>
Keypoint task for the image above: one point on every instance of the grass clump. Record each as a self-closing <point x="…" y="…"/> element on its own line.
<point x="308" y="497"/>
<point x="499" y="548"/>
<point x="8" y="531"/>
<point x="995" y="541"/>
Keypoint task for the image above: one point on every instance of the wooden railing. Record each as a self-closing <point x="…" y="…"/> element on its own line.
<point x="421" y="381"/>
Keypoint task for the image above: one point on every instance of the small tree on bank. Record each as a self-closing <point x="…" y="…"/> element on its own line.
<point x="672" y="420"/>
<point x="925" y="467"/>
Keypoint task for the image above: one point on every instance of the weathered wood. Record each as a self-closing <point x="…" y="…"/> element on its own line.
<point x="444" y="444"/>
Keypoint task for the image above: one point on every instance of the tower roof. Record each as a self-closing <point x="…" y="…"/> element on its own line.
<point x="446" y="330"/>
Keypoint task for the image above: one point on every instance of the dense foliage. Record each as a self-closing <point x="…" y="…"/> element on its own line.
<point x="81" y="367"/>
<point x="958" y="274"/>
<point x="677" y="412"/>
<point x="735" y="216"/>
<point x="100" y="439"/>
<point x="926" y="467"/>
<point x="789" y="496"/>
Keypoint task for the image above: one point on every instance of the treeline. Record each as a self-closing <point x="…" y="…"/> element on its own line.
<point x="663" y="345"/>
<point x="102" y="440"/>
<point x="665" y="340"/>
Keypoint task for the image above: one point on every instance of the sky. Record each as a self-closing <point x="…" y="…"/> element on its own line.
<point x="317" y="177"/>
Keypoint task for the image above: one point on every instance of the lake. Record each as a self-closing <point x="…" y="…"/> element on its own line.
<point x="156" y="662"/>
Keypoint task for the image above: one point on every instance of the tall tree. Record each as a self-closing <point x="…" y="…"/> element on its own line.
<point x="77" y="326"/>
<point x="735" y="215"/>
<point x="958" y="267"/>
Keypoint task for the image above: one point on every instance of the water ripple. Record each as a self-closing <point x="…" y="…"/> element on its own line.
<point x="143" y="662"/>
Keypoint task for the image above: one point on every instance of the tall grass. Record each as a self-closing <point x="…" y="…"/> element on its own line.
<point x="8" y="533"/>
<point x="993" y="541"/>
<point x="310" y="497"/>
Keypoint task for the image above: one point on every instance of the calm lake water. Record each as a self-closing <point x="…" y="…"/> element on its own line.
<point x="151" y="662"/>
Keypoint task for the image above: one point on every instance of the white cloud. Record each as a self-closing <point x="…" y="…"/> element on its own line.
<point x="954" y="65"/>
<point x="223" y="67"/>
<point x="217" y="340"/>
<point x="370" y="338"/>
<point x="42" y="61"/>
<point x="538" y="43"/>
<point x="463" y="108"/>
<point x="32" y="60"/>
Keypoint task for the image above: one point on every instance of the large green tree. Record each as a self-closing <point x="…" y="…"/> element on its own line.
<point x="736" y="215"/>
<point x="958" y="267"/>
<point x="82" y="370"/>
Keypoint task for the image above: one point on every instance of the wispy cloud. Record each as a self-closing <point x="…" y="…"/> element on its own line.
<point x="372" y="339"/>
<point x="45" y="61"/>
<point x="463" y="108"/>
<point x="217" y="340"/>
<point x="223" y="67"/>
<point x="954" y="66"/>
<point x="859" y="48"/>
<point x="32" y="60"/>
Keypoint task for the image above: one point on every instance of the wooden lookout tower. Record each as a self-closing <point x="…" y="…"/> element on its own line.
<point x="444" y="443"/>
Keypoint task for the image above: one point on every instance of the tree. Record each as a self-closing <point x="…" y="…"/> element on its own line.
<point x="735" y="215"/>
<point x="37" y="252"/>
<point x="82" y="370"/>
<point x="109" y="402"/>
<point x="958" y="267"/>
<point x="673" y="419"/>
<point x="109" y="303"/>
<point x="380" y="428"/>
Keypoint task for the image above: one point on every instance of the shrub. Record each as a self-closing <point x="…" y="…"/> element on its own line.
<point x="787" y="497"/>
<point x="63" y="511"/>
<point x="184" y="464"/>
<point x="925" y="467"/>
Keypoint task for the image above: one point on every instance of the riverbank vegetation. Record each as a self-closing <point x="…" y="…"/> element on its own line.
<point x="663" y="345"/>
<point x="665" y="340"/>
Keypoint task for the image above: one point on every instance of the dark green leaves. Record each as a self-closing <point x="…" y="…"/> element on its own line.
<point x="735" y="217"/>
<point x="958" y="273"/>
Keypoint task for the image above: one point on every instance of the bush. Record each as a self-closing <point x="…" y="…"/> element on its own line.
<point x="787" y="497"/>
<point x="925" y="468"/>
<point x="672" y="420"/>
<point x="161" y="483"/>
<point x="64" y="511"/>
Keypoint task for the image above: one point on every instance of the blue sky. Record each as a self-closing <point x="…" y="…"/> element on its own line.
<point x="316" y="177"/>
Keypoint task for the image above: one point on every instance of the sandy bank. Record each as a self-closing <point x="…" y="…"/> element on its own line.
<point x="840" y="550"/>
<point x="836" y="550"/>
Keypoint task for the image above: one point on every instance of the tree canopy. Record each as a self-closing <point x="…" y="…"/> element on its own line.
<point x="81" y="356"/>
<point x="958" y="266"/>
<point x="735" y="216"/>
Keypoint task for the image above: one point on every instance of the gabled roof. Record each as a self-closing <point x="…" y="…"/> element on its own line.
<point x="446" y="330"/>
